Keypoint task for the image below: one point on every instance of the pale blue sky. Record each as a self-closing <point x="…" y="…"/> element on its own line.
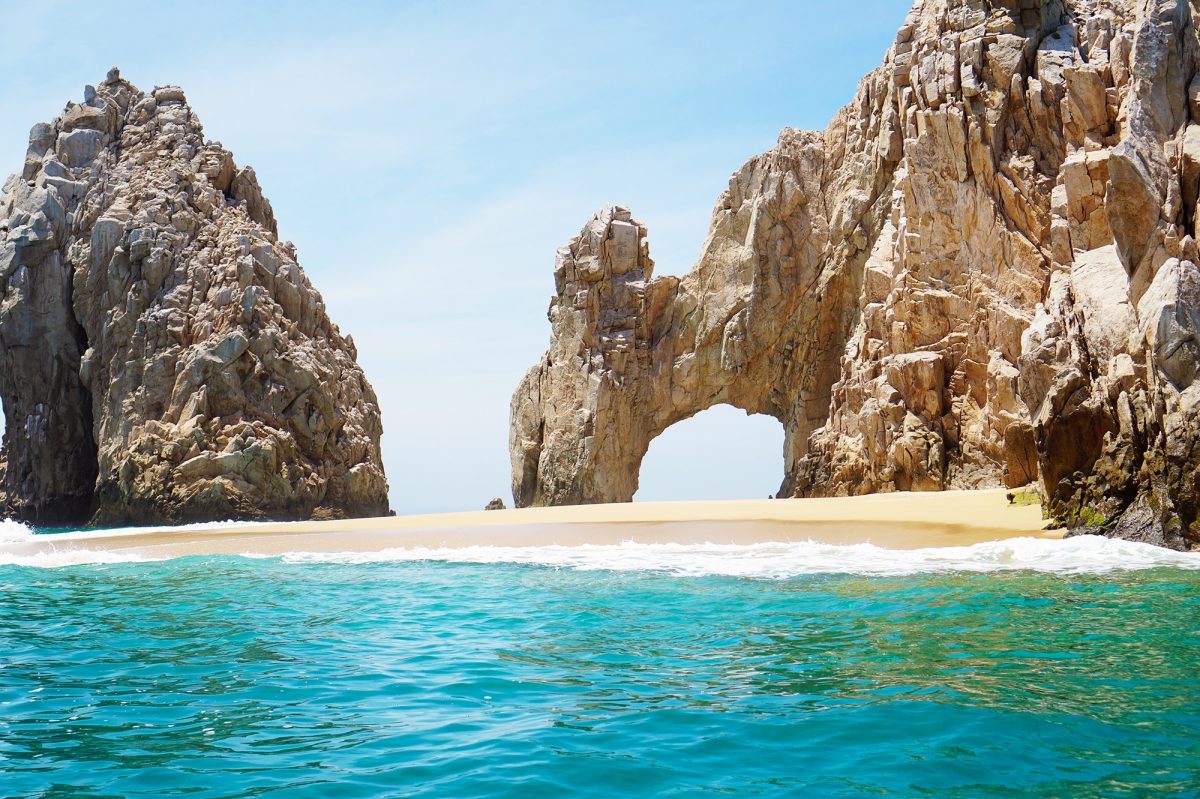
<point x="428" y="158"/>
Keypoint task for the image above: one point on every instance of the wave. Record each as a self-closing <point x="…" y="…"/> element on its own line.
<point x="1077" y="555"/>
<point x="13" y="532"/>
<point x="53" y="559"/>
<point x="777" y="560"/>
<point x="47" y="552"/>
<point x="14" y="536"/>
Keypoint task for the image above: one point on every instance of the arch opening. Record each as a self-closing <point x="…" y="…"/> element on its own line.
<point x="719" y="453"/>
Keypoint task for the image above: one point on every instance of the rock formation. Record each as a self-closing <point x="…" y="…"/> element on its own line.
<point x="982" y="273"/>
<point x="164" y="357"/>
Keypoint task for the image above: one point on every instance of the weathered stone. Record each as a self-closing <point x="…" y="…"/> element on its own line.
<point x="149" y="371"/>
<point x="245" y="189"/>
<point x="1190" y="174"/>
<point x="1100" y="288"/>
<point x="1132" y="204"/>
<point x="169" y="94"/>
<point x="88" y="117"/>
<point x="972" y="277"/>
<point x="78" y="147"/>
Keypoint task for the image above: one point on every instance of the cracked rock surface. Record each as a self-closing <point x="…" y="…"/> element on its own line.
<point x="163" y="357"/>
<point x="982" y="273"/>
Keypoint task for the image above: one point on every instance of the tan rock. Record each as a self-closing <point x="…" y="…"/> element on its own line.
<point x="1190" y="176"/>
<point x="946" y="288"/>
<point x="1132" y="204"/>
<point x="164" y="358"/>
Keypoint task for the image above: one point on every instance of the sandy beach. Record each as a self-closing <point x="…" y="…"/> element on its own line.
<point x="894" y="521"/>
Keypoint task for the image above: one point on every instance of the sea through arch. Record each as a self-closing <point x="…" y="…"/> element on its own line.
<point x="721" y="452"/>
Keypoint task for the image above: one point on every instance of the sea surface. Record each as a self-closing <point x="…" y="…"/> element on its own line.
<point x="1024" y="668"/>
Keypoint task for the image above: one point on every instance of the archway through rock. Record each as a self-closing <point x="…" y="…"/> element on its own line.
<point x="719" y="453"/>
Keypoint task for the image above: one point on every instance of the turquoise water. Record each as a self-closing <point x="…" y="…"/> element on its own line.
<point x="229" y="676"/>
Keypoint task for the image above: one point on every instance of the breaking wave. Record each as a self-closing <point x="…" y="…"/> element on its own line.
<point x="775" y="560"/>
<point x="12" y="532"/>
<point x="1078" y="555"/>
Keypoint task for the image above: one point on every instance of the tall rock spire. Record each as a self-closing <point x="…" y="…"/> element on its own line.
<point x="164" y="357"/>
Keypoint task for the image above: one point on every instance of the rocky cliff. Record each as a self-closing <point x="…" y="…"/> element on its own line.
<point x="163" y="357"/>
<point x="983" y="272"/>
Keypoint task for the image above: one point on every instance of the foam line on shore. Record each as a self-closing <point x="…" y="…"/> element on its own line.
<point x="777" y="560"/>
<point x="768" y="560"/>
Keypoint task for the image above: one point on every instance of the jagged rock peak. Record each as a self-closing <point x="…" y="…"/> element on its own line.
<point x="164" y="357"/>
<point x="982" y="272"/>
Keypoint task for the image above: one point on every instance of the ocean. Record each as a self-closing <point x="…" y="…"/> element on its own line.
<point x="1021" y="668"/>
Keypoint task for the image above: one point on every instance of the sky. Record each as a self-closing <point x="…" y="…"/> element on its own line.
<point x="428" y="158"/>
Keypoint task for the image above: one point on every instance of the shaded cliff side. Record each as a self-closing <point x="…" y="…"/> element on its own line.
<point x="983" y="272"/>
<point x="163" y="357"/>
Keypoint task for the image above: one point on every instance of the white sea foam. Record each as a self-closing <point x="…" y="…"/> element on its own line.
<point x="12" y="532"/>
<point x="15" y="550"/>
<point x="70" y="548"/>
<point x="113" y="532"/>
<point x="54" y="558"/>
<point x="1079" y="555"/>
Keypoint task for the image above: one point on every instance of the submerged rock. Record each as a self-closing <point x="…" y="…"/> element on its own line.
<point x="983" y="272"/>
<point x="163" y="357"/>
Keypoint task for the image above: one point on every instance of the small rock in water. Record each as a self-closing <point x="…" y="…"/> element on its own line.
<point x="495" y="504"/>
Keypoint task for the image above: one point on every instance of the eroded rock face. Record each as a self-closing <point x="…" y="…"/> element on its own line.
<point x="983" y="272"/>
<point x="164" y="357"/>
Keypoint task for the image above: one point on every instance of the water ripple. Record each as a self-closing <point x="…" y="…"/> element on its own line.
<point x="223" y="677"/>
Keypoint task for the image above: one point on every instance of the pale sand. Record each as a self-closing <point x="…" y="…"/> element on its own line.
<point x="895" y="521"/>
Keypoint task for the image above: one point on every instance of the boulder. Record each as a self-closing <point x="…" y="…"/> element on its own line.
<point x="1132" y="204"/>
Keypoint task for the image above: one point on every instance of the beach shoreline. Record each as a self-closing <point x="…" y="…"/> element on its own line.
<point x="893" y="521"/>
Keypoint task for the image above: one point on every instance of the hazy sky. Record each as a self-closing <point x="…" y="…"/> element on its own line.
<point x="429" y="158"/>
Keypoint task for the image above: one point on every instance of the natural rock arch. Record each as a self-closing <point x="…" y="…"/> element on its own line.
<point x="983" y="272"/>
<point x="631" y="354"/>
